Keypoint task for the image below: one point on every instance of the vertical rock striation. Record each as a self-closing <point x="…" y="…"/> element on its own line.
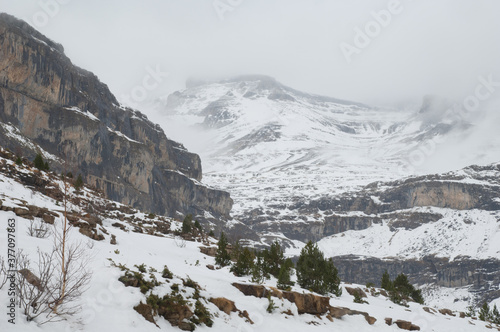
<point x="66" y="111"/>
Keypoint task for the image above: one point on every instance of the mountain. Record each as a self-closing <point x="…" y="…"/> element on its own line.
<point x="270" y="145"/>
<point x="49" y="105"/>
<point x="303" y="167"/>
<point x="129" y="253"/>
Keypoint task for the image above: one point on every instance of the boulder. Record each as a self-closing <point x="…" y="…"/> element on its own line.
<point x="339" y="312"/>
<point x="146" y="311"/>
<point x="31" y="278"/>
<point x="429" y="310"/>
<point x="446" y="312"/>
<point x="22" y="212"/>
<point x="406" y="325"/>
<point x="353" y="291"/>
<point x="209" y="251"/>
<point x="224" y="304"/>
<point x="251" y="290"/>
<point x="49" y="219"/>
<point x="308" y="303"/>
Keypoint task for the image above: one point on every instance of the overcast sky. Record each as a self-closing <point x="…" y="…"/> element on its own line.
<point x="421" y="47"/>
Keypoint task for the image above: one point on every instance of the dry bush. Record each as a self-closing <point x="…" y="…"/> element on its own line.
<point x="38" y="229"/>
<point x="3" y="272"/>
<point x="40" y="284"/>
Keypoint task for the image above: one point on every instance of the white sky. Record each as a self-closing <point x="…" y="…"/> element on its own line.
<point x="429" y="46"/>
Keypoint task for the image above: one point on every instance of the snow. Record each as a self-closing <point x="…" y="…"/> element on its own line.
<point x="42" y="42"/>
<point x="108" y="304"/>
<point x="123" y="135"/>
<point x="474" y="233"/>
<point x="14" y="133"/>
<point x="283" y="150"/>
<point x="275" y="152"/>
<point x="86" y="113"/>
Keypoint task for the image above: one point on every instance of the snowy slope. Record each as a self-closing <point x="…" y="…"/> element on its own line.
<point x="107" y="304"/>
<point x="269" y="144"/>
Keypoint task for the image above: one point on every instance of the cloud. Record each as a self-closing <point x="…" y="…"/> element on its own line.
<point x="429" y="47"/>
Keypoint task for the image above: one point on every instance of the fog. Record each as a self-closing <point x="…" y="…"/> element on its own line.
<point x="383" y="53"/>
<point x="422" y="47"/>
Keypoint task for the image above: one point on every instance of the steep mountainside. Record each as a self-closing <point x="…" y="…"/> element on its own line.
<point x="47" y="104"/>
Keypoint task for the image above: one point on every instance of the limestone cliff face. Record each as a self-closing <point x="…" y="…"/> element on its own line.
<point x="69" y="113"/>
<point x="481" y="277"/>
<point x="386" y="202"/>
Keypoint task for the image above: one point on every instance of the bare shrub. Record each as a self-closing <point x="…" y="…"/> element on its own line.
<point x="33" y="284"/>
<point x="180" y="242"/>
<point x="40" y="284"/>
<point x="3" y="272"/>
<point x="38" y="229"/>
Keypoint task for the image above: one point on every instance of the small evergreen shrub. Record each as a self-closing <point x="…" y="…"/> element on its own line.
<point x="78" y="182"/>
<point x="222" y="257"/>
<point x="187" y="224"/>
<point x="166" y="273"/>
<point x="40" y="163"/>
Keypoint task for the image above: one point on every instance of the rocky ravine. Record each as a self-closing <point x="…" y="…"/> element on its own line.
<point x="47" y="103"/>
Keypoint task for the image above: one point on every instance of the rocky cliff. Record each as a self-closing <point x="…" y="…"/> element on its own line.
<point x="480" y="276"/>
<point x="398" y="204"/>
<point x="47" y="104"/>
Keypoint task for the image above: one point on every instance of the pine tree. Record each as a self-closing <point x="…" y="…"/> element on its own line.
<point x="484" y="312"/>
<point x="19" y="161"/>
<point x="284" y="277"/>
<point x="400" y="289"/>
<point x="187" y="224"/>
<point x="495" y="315"/>
<point x="38" y="161"/>
<point x="386" y="283"/>
<point x="198" y="225"/>
<point x="257" y="271"/>
<point x="471" y="311"/>
<point x="244" y="261"/>
<point x="273" y="259"/>
<point x="316" y="273"/>
<point x="78" y="183"/>
<point x="222" y="257"/>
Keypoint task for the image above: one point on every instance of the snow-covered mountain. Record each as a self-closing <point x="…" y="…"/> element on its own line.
<point x="269" y="144"/>
<point x="303" y="167"/>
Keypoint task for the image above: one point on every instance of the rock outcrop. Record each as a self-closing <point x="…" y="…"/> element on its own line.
<point x="481" y="276"/>
<point x="475" y="187"/>
<point x="48" y="104"/>
<point x="306" y="303"/>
